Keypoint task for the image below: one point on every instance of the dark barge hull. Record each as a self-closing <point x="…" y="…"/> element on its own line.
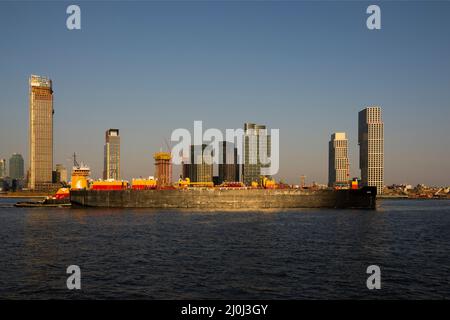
<point x="226" y="199"/>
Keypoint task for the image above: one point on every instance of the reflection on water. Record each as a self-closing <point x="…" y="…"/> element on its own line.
<point x="291" y="254"/>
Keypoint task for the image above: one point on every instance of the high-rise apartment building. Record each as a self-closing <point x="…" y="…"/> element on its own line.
<point x="40" y="132"/>
<point x="2" y="168"/>
<point x="185" y="170"/>
<point x="112" y="155"/>
<point x="256" y="147"/>
<point x="371" y="147"/>
<point x="16" y="167"/>
<point x="200" y="168"/>
<point x="338" y="165"/>
<point x="228" y="165"/>
<point x="61" y="173"/>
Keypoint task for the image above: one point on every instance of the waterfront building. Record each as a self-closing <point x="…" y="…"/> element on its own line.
<point x="371" y="147"/>
<point x="61" y="173"/>
<point x="111" y="168"/>
<point x="200" y="167"/>
<point x="256" y="145"/>
<point x="163" y="168"/>
<point x="16" y="167"/>
<point x="40" y="133"/>
<point x="338" y="164"/>
<point x="2" y="168"/>
<point x="228" y="166"/>
<point x="185" y="170"/>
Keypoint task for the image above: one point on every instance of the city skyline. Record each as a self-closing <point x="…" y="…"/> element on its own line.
<point x="369" y="125"/>
<point x="147" y="88"/>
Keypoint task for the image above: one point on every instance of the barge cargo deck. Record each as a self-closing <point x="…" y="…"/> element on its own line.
<point x="226" y="199"/>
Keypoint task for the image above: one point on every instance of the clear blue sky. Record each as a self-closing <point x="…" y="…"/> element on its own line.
<point x="306" y="68"/>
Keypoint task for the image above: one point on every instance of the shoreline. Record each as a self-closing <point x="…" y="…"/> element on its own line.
<point x="409" y="198"/>
<point x="36" y="196"/>
<point x="29" y="196"/>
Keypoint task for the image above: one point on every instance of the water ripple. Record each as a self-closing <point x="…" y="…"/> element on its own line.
<point x="291" y="254"/>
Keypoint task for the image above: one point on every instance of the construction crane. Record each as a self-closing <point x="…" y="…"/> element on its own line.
<point x="167" y="144"/>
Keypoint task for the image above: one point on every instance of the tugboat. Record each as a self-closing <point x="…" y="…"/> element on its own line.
<point x="60" y="199"/>
<point x="80" y="175"/>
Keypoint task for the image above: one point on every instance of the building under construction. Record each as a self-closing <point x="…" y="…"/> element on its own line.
<point x="163" y="168"/>
<point x="40" y="133"/>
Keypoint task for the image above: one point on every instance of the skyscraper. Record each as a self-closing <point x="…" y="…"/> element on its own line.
<point x="228" y="166"/>
<point x="61" y="172"/>
<point x="163" y="168"/>
<point x="2" y="168"/>
<point x="112" y="155"/>
<point x="40" y="132"/>
<point x="186" y="170"/>
<point x="201" y="167"/>
<point x="16" y="167"/>
<point x="371" y="147"/>
<point x="256" y="146"/>
<point x="338" y="166"/>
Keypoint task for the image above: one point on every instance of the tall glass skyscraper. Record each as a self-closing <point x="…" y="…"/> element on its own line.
<point x="61" y="173"/>
<point x="2" y="168"/>
<point x="228" y="166"/>
<point x="200" y="167"/>
<point x="256" y="146"/>
<point x="16" y="167"/>
<point x="40" y="132"/>
<point x="371" y="147"/>
<point x="112" y="155"/>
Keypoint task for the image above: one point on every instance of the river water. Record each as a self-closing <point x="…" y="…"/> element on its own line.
<point x="294" y="254"/>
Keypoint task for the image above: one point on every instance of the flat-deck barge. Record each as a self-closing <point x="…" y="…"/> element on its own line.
<point x="218" y="199"/>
